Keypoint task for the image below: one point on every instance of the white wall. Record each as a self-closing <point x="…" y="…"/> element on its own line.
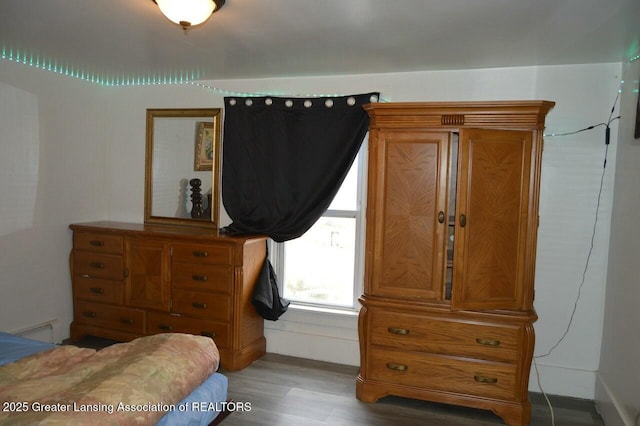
<point x="618" y="379"/>
<point x="571" y="173"/>
<point x="68" y="172"/>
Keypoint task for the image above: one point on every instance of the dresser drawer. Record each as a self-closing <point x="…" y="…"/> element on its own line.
<point x="209" y="306"/>
<point x="190" y="276"/>
<point x="163" y="323"/>
<point x="445" y="336"/>
<point x="203" y="253"/>
<point x="111" y="317"/>
<point x="100" y="243"/>
<point x="443" y="373"/>
<point x="98" y="290"/>
<point x="98" y="265"/>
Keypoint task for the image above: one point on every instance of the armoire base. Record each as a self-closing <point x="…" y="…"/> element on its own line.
<point x="512" y="413"/>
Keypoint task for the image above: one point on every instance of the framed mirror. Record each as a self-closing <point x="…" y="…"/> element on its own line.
<point x="182" y="167"/>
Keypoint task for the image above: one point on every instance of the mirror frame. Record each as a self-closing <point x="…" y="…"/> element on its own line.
<point x="216" y="115"/>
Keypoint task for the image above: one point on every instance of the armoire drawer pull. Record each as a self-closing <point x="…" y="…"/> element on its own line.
<point x="97" y="265"/>
<point x="200" y="253"/>
<point x="96" y="243"/>
<point x="210" y="334"/>
<point x="89" y="314"/>
<point x="85" y="276"/>
<point x="199" y="305"/>
<point x="397" y="367"/>
<point x="199" y="277"/>
<point x="96" y="290"/>
<point x="126" y="321"/>
<point x="485" y="379"/>
<point x="165" y="327"/>
<point x="488" y="342"/>
<point x="401" y="331"/>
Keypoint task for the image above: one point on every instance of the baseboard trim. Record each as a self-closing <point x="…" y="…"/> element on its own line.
<point x="609" y="407"/>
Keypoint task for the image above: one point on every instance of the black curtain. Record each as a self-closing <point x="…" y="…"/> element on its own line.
<point x="284" y="159"/>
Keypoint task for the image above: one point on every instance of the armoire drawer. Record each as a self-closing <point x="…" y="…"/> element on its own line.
<point x="203" y="253"/>
<point x="210" y="306"/>
<point x="99" y="243"/>
<point x="108" y="316"/>
<point x="98" y="290"/>
<point x="97" y="265"/>
<point x="443" y="373"/>
<point x="202" y="277"/>
<point x="445" y="336"/>
<point x="163" y="323"/>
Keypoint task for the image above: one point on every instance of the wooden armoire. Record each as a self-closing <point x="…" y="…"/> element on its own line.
<point x="452" y="216"/>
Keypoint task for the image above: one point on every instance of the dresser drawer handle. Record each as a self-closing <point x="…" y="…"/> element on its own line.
<point x="96" y="290"/>
<point x="397" y="367"/>
<point x="97" y="265"/>
<point x="126" y="321"/>
<point x="485" y="379"/>
<point x="488" y="342"/>
<point x="199" y="277"/>
<point x="165" y="327"/>
<point x="210" y="334"/>
<point x="200" y="253"/>
<point x="401" y="331"/>
<point x="96" y="243"/>
<point x="89" y="314"/>
<point x="199" y="305"/>
<point x="85" y="276"/>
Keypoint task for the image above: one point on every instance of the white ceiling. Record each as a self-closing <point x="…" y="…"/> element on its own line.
<point x="280" y="38"/>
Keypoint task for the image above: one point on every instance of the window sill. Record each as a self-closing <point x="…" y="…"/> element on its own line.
<point x="322" y="310"/>
<point x="317" y="320"/>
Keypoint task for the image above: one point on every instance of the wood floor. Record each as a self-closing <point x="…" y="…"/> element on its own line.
<point x="288" y="391"/>
<point x="292" y="391"/>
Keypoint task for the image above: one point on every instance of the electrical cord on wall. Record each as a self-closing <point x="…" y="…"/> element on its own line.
<point x="607" y="125"/>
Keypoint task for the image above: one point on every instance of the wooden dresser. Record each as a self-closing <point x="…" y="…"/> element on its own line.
<point x="131" y="280"/>
<point x="447" y="314"/>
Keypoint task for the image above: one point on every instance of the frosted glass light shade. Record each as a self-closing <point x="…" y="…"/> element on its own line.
<point x="187" y="12"/>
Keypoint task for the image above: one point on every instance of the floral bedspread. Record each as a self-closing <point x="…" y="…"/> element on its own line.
<point x="134" y="383"/>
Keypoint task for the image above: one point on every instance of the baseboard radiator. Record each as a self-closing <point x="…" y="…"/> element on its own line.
<point x="43" y="331"/>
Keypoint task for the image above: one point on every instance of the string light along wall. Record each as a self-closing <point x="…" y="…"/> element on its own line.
<point x="43" y="63"/>
<point x="179" y="77"/>
<point x="53" y="65"/>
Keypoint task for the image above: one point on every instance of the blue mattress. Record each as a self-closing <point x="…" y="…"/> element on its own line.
<point x="12" y="348"/>
<point x="202" y="404"/>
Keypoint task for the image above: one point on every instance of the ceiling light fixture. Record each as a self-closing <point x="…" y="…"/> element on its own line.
<point x="188" y="13"/>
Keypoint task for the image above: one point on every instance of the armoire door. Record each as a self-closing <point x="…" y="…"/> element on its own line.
<point x="492" y="219"/>
<point x="406" y="214"/>
<point x="148" y="277"/>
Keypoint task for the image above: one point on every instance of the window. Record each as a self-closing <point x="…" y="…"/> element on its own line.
<point x="323" y="268"/>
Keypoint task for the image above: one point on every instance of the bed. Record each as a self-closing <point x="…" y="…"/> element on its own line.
<point x="165" y="379"/>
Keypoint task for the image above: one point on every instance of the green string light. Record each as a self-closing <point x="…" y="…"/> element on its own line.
<point x="180" y="77"/>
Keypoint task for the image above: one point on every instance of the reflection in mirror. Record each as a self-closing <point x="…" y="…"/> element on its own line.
<point x="182" y="166"/>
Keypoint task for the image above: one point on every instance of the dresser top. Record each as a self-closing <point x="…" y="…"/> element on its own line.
<point x="161" y="230"/>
